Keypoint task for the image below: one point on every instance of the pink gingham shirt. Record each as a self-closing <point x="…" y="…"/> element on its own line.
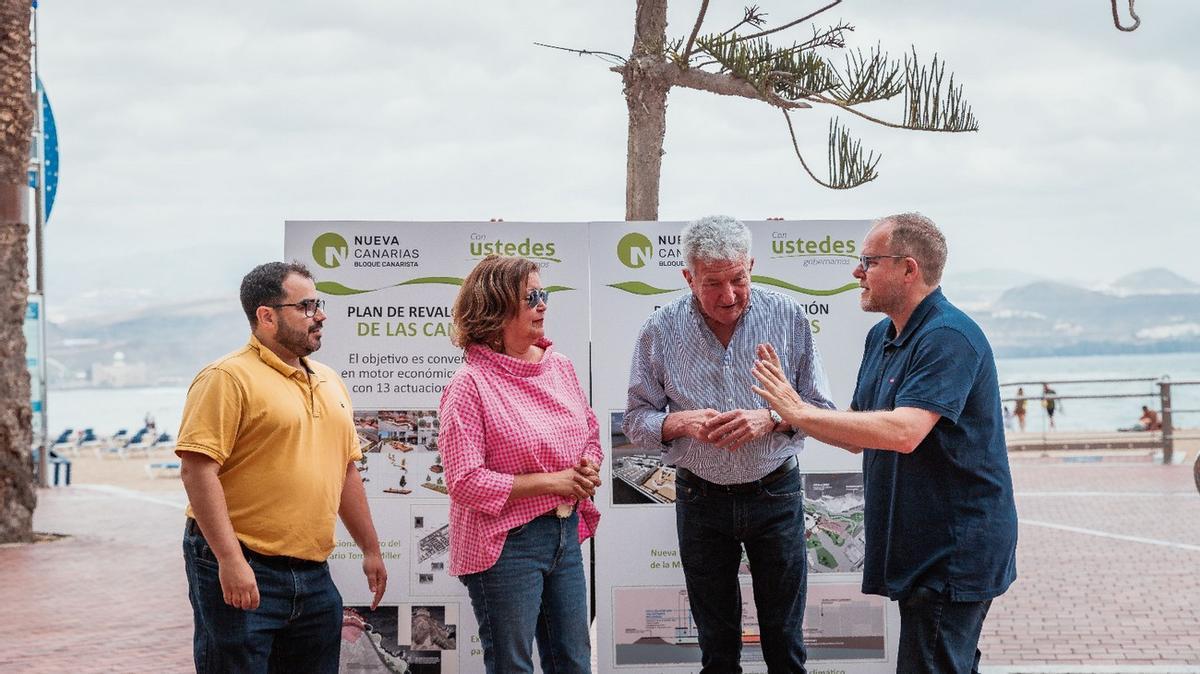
<point x="502" y="417"/>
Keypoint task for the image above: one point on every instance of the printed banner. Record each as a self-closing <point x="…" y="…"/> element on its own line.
<point x="389" y="288"/>
<point x="643" y="616"/>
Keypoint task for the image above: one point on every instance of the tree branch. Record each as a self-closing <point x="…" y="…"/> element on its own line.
<point x="687" y="50"/>
<point x="585" y="52"/>
<point x="848" y="169"/>
<point x="728" y="85"/>
<point x="789" y="25"/>
<point x="753" y="16"/>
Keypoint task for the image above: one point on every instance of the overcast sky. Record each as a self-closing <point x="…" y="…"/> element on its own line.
<point x="190" y="131"/>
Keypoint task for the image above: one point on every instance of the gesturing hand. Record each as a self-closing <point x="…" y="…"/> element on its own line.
<point x="767" y="352"/>
<point x="730" y="430"/>
<point x="775" y="388"/>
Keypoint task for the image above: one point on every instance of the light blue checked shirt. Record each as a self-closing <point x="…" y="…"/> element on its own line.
<point x="678" y="364"/>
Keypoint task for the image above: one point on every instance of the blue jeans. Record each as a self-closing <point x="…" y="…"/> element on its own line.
<point x="535" y="590"/>
<point x="939" y="636"/>
<point x="713" y="526"/>
<point x="297" y="626"/>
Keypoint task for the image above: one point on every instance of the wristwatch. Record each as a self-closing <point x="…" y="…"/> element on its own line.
<point x="775" y="416"/>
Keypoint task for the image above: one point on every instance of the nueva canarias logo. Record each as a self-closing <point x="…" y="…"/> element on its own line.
<point x="634" y="250"/>
<point x="330" y="250"/>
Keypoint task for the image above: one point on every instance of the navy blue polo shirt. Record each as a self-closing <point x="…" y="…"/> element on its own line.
<point x="942" y="517"/>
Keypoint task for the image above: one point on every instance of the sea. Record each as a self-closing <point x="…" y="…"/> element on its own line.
<point x="108" y="410"/>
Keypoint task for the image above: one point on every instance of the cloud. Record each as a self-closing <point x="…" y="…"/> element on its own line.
<point x="212" y="123"/>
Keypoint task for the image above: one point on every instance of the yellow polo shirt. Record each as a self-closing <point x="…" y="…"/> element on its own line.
<point x="283" y="437"/>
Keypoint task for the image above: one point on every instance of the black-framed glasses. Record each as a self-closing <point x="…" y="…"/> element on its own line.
<point x="867" y="261"/>
<point x="309" y="307"/>
<point x="537" y="296"/>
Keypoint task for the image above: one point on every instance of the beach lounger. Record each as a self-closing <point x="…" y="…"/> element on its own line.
<point x="142" y="443"/>
<point x="113" y="446"/>
<point x="157" y="469"/>
<point x="164" y="441"/>
<point x="66" y="443"/>
<point x="90" y="441"/>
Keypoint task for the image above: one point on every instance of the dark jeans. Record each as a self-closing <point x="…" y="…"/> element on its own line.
<point x="713" y="526"/>
<point x="297" y="626"/>
<point x="535" y="590"/>
<point x="939" y="636"/>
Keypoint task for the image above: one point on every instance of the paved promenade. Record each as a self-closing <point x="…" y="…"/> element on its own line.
<point x="1109" y="564"/>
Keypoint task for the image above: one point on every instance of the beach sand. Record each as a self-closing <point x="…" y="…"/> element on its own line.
<point x="127" y="473"/>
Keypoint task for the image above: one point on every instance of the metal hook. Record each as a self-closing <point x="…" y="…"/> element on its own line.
<point x="1137" y="21"/>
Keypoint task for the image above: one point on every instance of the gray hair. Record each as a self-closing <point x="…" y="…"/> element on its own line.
<point x="916" y="236"/>
<point x="715" y="238"/>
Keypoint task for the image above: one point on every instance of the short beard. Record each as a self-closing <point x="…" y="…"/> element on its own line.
<point x="296" y="341"/>
<point x="877" y="304"/>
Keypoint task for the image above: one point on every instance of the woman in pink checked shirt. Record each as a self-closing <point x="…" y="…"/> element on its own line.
<point x="521" y="448"/>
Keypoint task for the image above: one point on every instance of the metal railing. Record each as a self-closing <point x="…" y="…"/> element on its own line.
<point x="1168" y="414"/>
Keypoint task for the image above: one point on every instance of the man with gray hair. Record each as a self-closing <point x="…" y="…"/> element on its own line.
<point x="941" y="523"/>
<point x="736" y="481"/>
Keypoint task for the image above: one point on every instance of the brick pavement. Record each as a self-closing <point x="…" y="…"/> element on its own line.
<point x="113" y="597"/>
<point x="110" y="598"/>
<point x="1087" y="597"/>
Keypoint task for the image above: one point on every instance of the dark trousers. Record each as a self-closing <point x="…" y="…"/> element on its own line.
<point x="713" y="526"/>
<point x="297" y="626"/>
<point x="939" y="636"/>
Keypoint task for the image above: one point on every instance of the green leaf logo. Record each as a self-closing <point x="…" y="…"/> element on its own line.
<point x="639" y="288"/>
<point x="335" y="288"/>
<point x="771" y="281"/>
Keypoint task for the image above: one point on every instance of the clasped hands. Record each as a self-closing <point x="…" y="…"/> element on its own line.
<point x="578" y="482"/>
<point x="727" y="430"/>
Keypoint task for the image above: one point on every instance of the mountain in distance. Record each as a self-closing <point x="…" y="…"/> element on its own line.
<point x="1032" y="317"/>
<point x="1157" y="281"/>
<point x="173" y="340"/>
<point x="979" y="288"/>
<point x="1047" y="318"/>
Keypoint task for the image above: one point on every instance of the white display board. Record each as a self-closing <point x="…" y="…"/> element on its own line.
<point x="389" y="288"/>
<point x="644" y="622"/>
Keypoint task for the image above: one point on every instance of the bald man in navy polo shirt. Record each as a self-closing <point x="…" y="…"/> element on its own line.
<point x="941" y="523"/>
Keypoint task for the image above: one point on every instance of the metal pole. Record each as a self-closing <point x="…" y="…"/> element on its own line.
<point x="1168" y="432"/>
<point x="40" y="279"/>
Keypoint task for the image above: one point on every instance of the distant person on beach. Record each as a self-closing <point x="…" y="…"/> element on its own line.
<point x="1019" y="408"/>
<point x="1008" y="419"/>
<point x="522" y="452"/>
<point x="737" y="481"/>
<point x="268" y="449"/>
<point x="1050" y="403"/>
<point x="1149" y="420"/>
<point x="941" y="522"/>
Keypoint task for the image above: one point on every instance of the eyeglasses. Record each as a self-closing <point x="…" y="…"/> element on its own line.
<point x="309" y="307"/>
<point x="866" y="261"/>
<point x="537" y="296"/>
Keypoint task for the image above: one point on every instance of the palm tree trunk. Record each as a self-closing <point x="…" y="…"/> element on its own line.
<point x="17" y="494"/>
<point x="646" y="96"/>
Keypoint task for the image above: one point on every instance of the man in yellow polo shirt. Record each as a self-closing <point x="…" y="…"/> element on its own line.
<point x="268" y="448"/>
